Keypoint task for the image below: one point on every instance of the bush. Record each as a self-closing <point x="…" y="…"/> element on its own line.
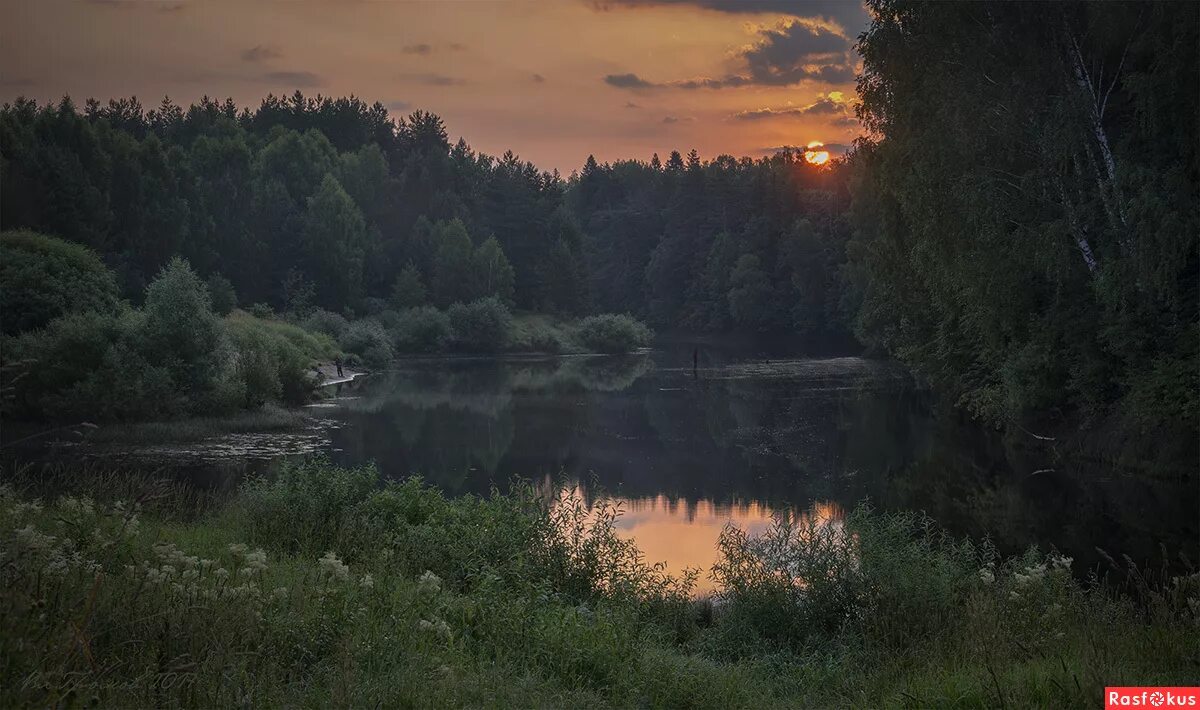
<point x="273" y="358"/>
<point x="613" y="333"/>
<point x="370" y="340"/>
<point x="535" y="334"/>
<point x="322" y="582"/>
<point x="42" y="278"/>
<point x="180" y="331"/>
<point x="90" y="366"/>
<point x="422" y="330"/>
<point x="480" y="326"/>
<point x="327" y="322"/>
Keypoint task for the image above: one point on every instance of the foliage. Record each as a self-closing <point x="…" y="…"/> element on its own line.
<point x="42" y="278"/>
<point x="324" y="583"/>
<point x="409" y="290"/>
<point x="222" y="294"/>
<point x="613" y="333"/>
<point x="327" y="322"/>
<point x="662" y="241"/>
<point x="173" y="358"/>
<point x="480" y="326"/>
<point x="1045" y="260"/>
<point x="333" y="190"/>
<point x="370" y="340"/>
<point x="422" y="330"/>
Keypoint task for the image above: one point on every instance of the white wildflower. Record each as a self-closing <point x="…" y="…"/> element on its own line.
<point x="238" y="548"/>
<point x="256" y="560"/>
<point x="331" y="565"/>
<point x="221" y="573"/>
<point x="987" y="576"/>
<point x="429" y="583"/>
<point x="32" y="539"/>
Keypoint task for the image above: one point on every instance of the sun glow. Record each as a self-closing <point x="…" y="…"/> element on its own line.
<point x="814" y="156"/>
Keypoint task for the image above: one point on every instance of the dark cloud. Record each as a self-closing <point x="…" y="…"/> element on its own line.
<point x="538" y="78"/>
<point x="424" y="49"/>
<point x="630" y="104"/>
<point x="261" y="53"/>
<point x="434" y="79"/>
<point x="628" y="81"/>
<point x="678" y="119"/>
<point x="789" y="54"/>
<point x="294" y="79"/>
<point x="15" y="82"/>
<point x="398" y="105"/>
<point x="845" y="121"/>
<point x="850" y="14"/>
<point x="823" y="106"/>
<point x="798" y="51"/>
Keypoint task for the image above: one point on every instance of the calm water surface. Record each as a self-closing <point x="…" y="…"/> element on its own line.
<point x="747" y="436"/>
<point x="751" y="434"/>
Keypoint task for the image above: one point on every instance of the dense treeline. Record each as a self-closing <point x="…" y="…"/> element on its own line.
<point x="303" y="202"/>
<point x="1019" y="226"/>
<point x="1025" y="220"/>
<point x="720" y="245"/>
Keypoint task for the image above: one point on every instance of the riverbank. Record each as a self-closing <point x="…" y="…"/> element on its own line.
<point x="320" y="586"/>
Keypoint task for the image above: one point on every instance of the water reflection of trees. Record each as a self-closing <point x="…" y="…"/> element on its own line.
<point x="780" y="435"/>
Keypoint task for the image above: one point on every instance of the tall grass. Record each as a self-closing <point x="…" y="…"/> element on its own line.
<point x="325" y="586"/>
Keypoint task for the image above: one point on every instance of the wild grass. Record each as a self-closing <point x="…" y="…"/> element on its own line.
<point x="269" y="418"/>
<point x="323" y="586"/>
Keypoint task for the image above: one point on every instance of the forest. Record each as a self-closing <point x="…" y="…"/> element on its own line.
<point x="984" y="497"/>
<point x="1036" y="265"/>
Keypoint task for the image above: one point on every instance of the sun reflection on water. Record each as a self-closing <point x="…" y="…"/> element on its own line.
<point x="683" y="533"/>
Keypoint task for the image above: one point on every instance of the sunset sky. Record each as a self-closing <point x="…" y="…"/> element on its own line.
<point x="552" y="81"/>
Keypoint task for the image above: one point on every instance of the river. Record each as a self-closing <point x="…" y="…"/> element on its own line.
<point x="750" y="434"/>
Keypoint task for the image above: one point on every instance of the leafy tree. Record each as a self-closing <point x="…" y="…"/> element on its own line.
<point x="180" y="331"/>
<point x="408" y="291"/>
<point x="42" y="277"/>
<point x="224" y="297"/>
<point x="750" y="294"/>
<point x="493" y="273"/>
<point x="453" y="264"/>
<point x="333" y="236"/>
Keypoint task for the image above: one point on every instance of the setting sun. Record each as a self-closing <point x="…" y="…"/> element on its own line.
<point x="814" y="156"/>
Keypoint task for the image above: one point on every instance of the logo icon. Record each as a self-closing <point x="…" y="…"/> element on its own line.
<point x="1157" y="699"/>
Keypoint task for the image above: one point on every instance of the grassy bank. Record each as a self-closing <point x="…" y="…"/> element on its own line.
<point x="266" y="419"/>
<point x="320" y="586"/>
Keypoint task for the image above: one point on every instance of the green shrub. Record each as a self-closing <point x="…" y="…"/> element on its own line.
<point x="313" y="344"/>
<point x="180" y="330"/>
<point x="321" y="582"/>
<point x="422" y="330"/>
<point x="42" y="278"/>
<point x="91" y="366"/>
<point x="613" y="333"/>
<point x="327" y="322"/>
<point x="480" y="326"/>
<point x="370" y="340"/>
<point x="534" y="334"/>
